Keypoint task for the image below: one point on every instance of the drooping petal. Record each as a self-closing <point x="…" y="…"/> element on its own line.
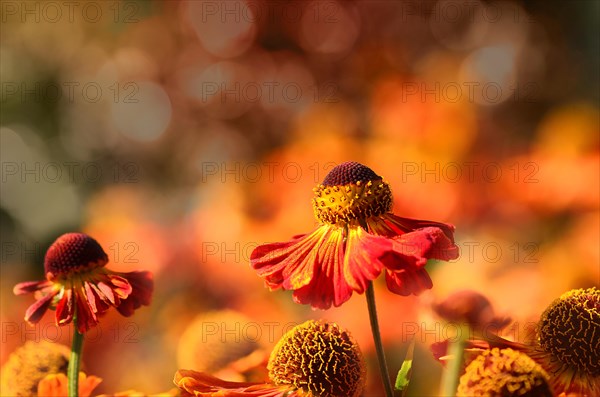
<point x="415" y="248"/>
<point x="31" y="286"/>
<point x="120" y="285"/>
<point x="361" y="259"/>
<point x="86" y="317"/>
<point x="328" y="285"/>
<point x="291" y="264"/>
<point x="35" y="312"/>
<point x="65" y="307"/>
<point x="392" y="225"/>
<point x="408" y="281"/>
<point x="192" y="383"/>
<point x="141" y="287"/>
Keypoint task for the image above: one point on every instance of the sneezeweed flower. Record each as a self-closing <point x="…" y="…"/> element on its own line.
<point x="566" y="344"/>
<point x="314" y="359"/>
<point x="77" y="281"/>
<point x="356" y="239"/>
<point x="471" y="308"/>
<point x="29" y="364"/>
<point x="504" y="373"/>
<point x="569" y="342"/>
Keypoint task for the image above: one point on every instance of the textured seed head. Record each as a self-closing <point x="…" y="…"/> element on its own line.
<point x="73" y="253"/>
<point x="351" y="191"/>
<point x="569" y="329"/>
<point x="504" y="373"/>
<point x="319" y="360"/>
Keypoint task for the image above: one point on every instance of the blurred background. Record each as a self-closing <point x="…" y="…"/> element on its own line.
<point x="182" y="134"/>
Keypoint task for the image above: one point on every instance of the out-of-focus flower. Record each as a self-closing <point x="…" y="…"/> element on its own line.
<point x="356" y="239"/>
<point x="78" y="284"/>
<point x="312" y="359"/>
<point x="472" y="308"/>
<point x="566" y="344"/>
<point x="220" y="343"/>
<point x="56" y="385"/>
<point x="506" y="373"/>
<point x="29" y="364"/>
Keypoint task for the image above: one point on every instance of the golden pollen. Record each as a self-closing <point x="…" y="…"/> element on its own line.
<point x="29" y="364"/>
<point x="504" y="373"/>
<point x="570" y="330"/>
<point x="320" y="360"/>
<point x="351" y="191"/>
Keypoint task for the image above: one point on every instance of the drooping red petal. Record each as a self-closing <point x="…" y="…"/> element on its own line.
<point x="141" y="287"/>
<point x="65" y="308"/>
<point x="35" y="312"/>
<point x="290" y="264"/>
<point x="392" y="225"/>
<point x="31" y="286"/>
<point x="328" y="285"/>
<point x="361" y="259"/>
<point x="120" y="285"/>
<point x="86" y="317"/>
<point x="415" y="248"/>
<point x="192" y="383"/>
<point x="408" y="281"/>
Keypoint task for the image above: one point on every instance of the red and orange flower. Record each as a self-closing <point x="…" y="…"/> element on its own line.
<point x="78" y="285"/>
<point x="357" y="238"/>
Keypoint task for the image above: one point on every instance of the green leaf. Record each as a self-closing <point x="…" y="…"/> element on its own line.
<point x="403" y="377"/>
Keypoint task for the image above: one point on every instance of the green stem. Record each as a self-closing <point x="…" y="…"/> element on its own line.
<point x="385" y="376"/>
<point x="456" y="352"/>
<point x="73" y="371"/>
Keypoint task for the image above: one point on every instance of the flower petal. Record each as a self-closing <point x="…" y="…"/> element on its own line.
<point x="31" y="286"/>
<point x="56" y="385"/>
<point x="291" y="264"/>
<point x="328" y="285"/>
<point x="65" y="308"/>
<point x="361" y="259"/>
<point x="192" y="383"/>
<point x="36" y="311"/>
<point x="408" y="281"/>
<point x="396" y="225"/>
<point x="141" y="287"/>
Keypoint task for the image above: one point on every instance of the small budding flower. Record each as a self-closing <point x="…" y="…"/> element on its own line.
<point x="79" y="285"/>
<point x="357" y="238"/>
<point x="314" y="359"/>
<point x="504" y="373"/>
<point x="569" y="341"/>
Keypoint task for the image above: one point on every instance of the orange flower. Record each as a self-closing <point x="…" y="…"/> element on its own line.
<point x="78" y="282"/>
<point x="56" y="385"/>
<point x="312" y="359"/>
<point x="566" y="343"/>
<point x="357" y="238"/>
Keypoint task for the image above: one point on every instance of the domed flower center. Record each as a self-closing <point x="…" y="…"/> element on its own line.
<point x="504" y="372"/>
<point x="349" y="192"/>
<point x="319" y="359"/>
<point x="73" y="253"/>
<point x="570" y="330"/>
